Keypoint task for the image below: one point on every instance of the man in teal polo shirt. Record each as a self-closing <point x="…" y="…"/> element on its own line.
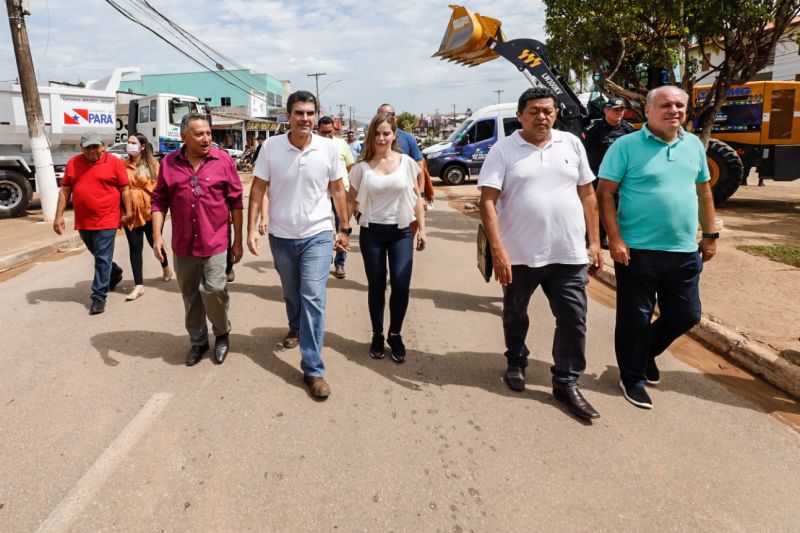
<point x="662" y="178"/>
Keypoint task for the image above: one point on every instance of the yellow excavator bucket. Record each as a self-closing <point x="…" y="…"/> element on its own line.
<point x="467" y="36"/>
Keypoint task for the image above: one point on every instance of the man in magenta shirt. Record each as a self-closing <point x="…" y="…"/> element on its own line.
<point x="97" y="182"/>
<point x="200" y="186"/>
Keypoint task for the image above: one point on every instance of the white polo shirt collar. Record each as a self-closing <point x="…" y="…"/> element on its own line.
<point x="314" y="145"/>
<point x="555" y="137"/>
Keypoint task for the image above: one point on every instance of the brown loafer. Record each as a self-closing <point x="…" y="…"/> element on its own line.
<point x="291" y="340"/>
<point x="318" y="386"/>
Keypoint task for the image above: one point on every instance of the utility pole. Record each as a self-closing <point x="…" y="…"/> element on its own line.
<point x="40" y="147"/>
<point x="498" y="91"/>
<point x="351" y="117"/>
<point x="454" y="114"/>
<point x="316" y="76"/>
<point x="341" y="115"/>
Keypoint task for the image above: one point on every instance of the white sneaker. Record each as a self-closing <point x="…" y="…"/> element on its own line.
<point x="167" y="273"/>
<point x="137" y="291"/>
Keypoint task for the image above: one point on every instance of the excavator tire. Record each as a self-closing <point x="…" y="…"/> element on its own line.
<point x="726" y="170"/>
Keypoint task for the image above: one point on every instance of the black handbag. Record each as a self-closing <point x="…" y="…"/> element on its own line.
<point x="484" y="255"/>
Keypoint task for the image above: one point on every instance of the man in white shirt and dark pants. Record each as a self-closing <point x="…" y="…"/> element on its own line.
<point x="299" y="172"/>
<point x="537" y="203"/>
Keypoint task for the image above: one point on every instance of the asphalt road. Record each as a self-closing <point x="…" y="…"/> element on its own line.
<point x="103" y="428"/>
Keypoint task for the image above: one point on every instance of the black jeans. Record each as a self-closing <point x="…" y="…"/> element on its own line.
<point x="670" y="279"/>
<point x="377" y="241"/>
<point x="565" y="288"/>
<point x="136" y="238"/>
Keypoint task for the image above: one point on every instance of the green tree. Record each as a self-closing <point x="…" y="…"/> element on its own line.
<point x="406" y="120"/>
<point x="625" y="41"/>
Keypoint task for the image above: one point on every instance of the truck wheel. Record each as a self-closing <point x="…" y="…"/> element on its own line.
<point x="726" y="170"/>
<point x="454" y="175"/>
<point x="15" y="194"/>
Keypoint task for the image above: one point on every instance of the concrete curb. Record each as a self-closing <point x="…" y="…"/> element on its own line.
<point x="20" y="258"/>
<point x="752" y="355"/>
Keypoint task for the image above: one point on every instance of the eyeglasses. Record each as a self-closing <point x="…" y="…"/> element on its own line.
<point x="197" y="190"/>
<point x="390" y="113"/>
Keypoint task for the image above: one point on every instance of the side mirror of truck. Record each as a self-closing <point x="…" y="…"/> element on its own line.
<point x="133" y="116"/>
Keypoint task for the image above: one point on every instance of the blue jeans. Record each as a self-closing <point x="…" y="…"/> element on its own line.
<point x="100" y="243"/>
<point x="670" y="279"/>
<point x="377" y="241"/>
<point x="565" y="288"/>
<point x="303" y="266"/>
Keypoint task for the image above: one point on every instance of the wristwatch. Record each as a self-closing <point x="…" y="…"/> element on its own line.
<point x="714" y="235"/>
<point x="346" y="231"/>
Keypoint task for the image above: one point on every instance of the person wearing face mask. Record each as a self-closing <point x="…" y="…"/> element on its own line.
<point x="142" y="170"/>
<point x="384" y="182"/>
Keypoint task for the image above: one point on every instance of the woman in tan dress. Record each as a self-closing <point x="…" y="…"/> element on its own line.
<point x="142" y="175"/>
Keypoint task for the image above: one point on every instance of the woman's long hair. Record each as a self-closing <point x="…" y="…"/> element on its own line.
<point x="369" y="142"/>
<point x="148" y="166"/>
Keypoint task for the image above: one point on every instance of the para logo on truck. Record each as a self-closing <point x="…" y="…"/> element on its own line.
<point x="79" y="117"/>
<point x="88" y="111"/>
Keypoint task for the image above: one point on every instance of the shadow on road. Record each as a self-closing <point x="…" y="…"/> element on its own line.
<point x="81" y="292"/>
<point x="421" y="370"/>
<point x="453" y="301"/>
<point x="261" y="267"/>
<point x="484" y="371"/>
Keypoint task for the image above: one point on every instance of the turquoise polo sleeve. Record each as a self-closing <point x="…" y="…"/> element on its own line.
<point x="615" y="162"/>
<point x="703" y="175"/>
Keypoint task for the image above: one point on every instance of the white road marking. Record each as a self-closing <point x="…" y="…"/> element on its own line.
<point x="82" y="493"/>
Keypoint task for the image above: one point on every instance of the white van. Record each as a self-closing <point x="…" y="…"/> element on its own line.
<point x="462" y="154"/>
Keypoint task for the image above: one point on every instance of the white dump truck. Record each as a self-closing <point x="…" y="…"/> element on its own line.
<point x="68" y="113"/>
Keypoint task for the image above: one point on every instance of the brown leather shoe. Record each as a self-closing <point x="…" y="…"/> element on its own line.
<point x="318" y="386"/>
<point x="291" y="340"/>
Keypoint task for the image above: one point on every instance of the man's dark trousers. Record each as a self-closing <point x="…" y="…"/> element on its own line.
<point x="565" y="288"/>
<point x="100" y="243"/>
<point x="670" y="279"/>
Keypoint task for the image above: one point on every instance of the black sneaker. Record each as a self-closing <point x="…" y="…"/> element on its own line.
<point x="637" y="396"/>
<point x="376" y="348"/>
<point x="98" y="306"/>
<point x="652" y="376"/>
<point x="116" y="277"/>
<point x="395" y="342"/>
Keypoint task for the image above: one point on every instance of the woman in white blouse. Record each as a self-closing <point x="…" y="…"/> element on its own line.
<point x="384" y="185"/>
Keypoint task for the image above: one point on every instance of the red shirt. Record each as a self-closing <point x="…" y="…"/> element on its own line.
<point x="95" y="190"/>
<point x="200" y="210"/>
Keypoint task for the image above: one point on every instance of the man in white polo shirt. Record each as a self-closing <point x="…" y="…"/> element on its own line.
<point x="537" y="203"/>
<point x="299" y="172"/>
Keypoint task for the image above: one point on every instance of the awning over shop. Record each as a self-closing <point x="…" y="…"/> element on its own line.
<point x="219" y="122"/>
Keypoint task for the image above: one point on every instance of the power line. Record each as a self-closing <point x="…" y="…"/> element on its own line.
<point x="127" y="14"/>
<point x="202" y="47"/>
<point x="182" y="34"/>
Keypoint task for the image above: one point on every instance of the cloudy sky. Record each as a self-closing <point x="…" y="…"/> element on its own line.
<point x="380" y="50"/>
